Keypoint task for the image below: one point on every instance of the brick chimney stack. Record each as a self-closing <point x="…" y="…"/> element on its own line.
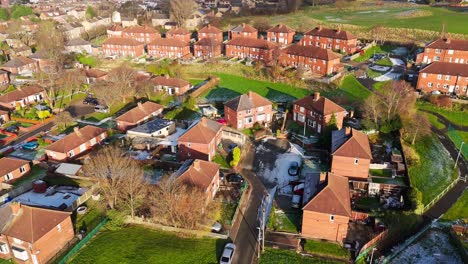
<point x="196" y="164"/>
<point x="77" y="131"/>
<point x="15" y="207"/>
<point x="316" y="96"/>
<point x="203" y="121"/>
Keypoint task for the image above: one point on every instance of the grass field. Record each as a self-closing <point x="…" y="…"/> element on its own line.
<point x="351" y="89"/>
<point x="384" y="62"/>
<point x="456" y="117"/>
<point x="381" y="172"/>
<point x="457" y="137"/>
<point x="379" y="86"/>
<point x="374" y="50"/>
<point x="459" y="210"/>
<point x="287" y="222"/>
<point x="326" y="248"/>
<point x="140" y="245"/>
<point x="433" y="171"/>
<point x="278" y="256"/>
<point x="434" y="121"/>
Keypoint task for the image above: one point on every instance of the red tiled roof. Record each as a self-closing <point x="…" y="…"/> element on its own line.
<point x="139" y="112"/>
<point x="203" y="132"/>
<point x="244" y="28"/>
<point x="207" y="42"/>
<point x="122" y="42"/>
<point x="454" y="44"/>
<point x="311" y="52"/>
<point x="200" y="174"/>
<point x="333" y="199"/>
<point x="169" y="42"/>
<point x="281" y="28"/>
<point x="357" y="146"/>
<point x="210" y="29"/>
<point x="18" y="62"/>
<point x="140" y="29"/>
<point x="330" y="33"/>
<point x="95" y="73"/>
<point x="75" y="139"/>
<point x="322" y="105"/>
<point x="247" y="101"/>
<point x="115" y="27"/>
<point x="177" y="31"/>
<point x="251" y="43"/>
<point x="20" y="93"/>
<point x="10" y="164"/>
<point x="169" y="81"/>
<point x="446" y="68"/>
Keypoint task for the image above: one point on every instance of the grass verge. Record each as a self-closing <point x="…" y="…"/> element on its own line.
<point x="457" y="137"/>
<point x="434" y="121"/>
<point x="455" y="117"/>
<point x="275" y="256"/>
<point x="326" y="249"/>
<point x="459" y="210"/>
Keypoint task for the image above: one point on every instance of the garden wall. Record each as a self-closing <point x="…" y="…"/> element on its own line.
<point x="211" y="83"/>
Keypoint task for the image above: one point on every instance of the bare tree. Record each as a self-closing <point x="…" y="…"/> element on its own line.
<point x="51" y="42"/>
<point x="262" y="24"/>
<point x="293" y="5"/>
<point x="71" y="81"/>
<point x="416" y="126"/>
<point x="123" y="81"/>
<point x="134" y="189"/>
<point x="63" y="119"/>
<point x="181" y="10"/>
<point x="398" y="98"/>
<point x="372" y="108"/>
<point x="16" y="31"/>
<point x="378" y="33"/>
<point x="105" y="93"/>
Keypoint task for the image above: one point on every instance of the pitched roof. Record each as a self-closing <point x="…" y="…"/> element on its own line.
<point x="446" y="68"/>
<point x="311" y="52"/>
<point x="200" y="174"/>
<point x="447" y="43"/>
<point x="18" y="62"/>
<point x="122" y="42"/>
<point x="10" y="164"/>
<point x="356" y="146"/>
<point x="169" y="42"/>
<point x="177" y="31"/>
<point x="140" y="29"/>
<point x="203" y="132"/>
<point x="281" y="28"/>
<point x="247" y="101"/>
<point x="32" y="223"/>
<point x="115" y="27"/>
<point x="333" y="199"/>
<point x="244" y="28"/>
<point x="169" y="81"/>
<point x="330" y="33"/>
<point x="95" y="73"/>
<point x="139" y="112"/>
<point x="75" y="139"/>
<point x="77" y="42"/>
<point x="252" y="43"/>
<point x="20" y="93"/>
<point x="323" y="105"/>
<point x="208" y="42"/>
<point x="210" y="29"/>
<point x="6" y="215"/>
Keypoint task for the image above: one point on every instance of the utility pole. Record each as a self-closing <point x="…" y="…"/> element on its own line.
<point x="459" y="153"/>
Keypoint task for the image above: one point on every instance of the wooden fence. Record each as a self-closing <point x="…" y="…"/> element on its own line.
<point x="212" y="82"/>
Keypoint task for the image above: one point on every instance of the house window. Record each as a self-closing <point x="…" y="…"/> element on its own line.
<point x="429" y="84"/>
<point x="20" y="253"/>
<point x="446" y="86"/>
<point x="424" y="75"/>
<point x="59" y="228"/>
<point x="22" y="169"/>
<point x="438" y="51"/>
<point x="260" y="109"/>
<point x="8" y="176"/>
<point x="450" y="52"/>
<point x="332" y="218"/>
<point x="189" y="145"/>
<point x="447" y="77"/>
<point x="356" y="161"/>
<point x="436" y="58"/>
<point x="439" y="76"/>
<point x="71" y="153"/>
<point x="4" y="248"/>
<point x="248" y="111"/>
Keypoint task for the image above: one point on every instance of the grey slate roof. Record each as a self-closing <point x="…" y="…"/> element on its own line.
<point x="152" y="126"/>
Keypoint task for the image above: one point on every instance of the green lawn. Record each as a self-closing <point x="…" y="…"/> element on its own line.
<point x="182" y="113"/>
<point x="434" y="121"/>
<point x="374" y="50"/>
<point x="36" y="172"/>
<point x="384" y="62"/>
<point x="396" y="181"/>
<point x="287" y="222"/>
<point x="433" y="171"/>
<point x="351" y="89"/>
<point x="6" y="261"/>
<point x="373" y="74"/>
<point x="136" y="244"/>
<point x="97" y="117"/>
<point x="221" y="161"/>
<point x="457" y="137"/>
<point x="326" y="248"/>
<point x="379" y="86"/>
<point x="279" y="256"/>
<point x="66" y="181"/>
<point x="90" y="219"/>
<point x="231" y="86"/>
<point x="459" y="210"/>
<point x="367" y="204"/>
<point x="381" y="172"/>
<point x="456" y="117"/>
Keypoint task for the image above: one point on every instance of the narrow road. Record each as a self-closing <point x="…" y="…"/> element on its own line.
<point x="22" y="137"/>
<point x="245" y="232"/>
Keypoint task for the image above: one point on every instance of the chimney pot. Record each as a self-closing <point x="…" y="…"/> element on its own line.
<point x="15" y="207"/>
<point x="316" y="96"/>
<point x="203" y="121"/>
<point x="196" y="164"/>
<point x="140" y="105"/>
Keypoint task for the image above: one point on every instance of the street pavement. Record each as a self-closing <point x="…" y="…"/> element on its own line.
<point x="45" y="127"/>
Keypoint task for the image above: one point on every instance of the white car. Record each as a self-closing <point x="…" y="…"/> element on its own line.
<point x="228" y="253"/>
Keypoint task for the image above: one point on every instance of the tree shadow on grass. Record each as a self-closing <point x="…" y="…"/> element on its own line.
<point x="221" y="94"/>
<point x="277" y="96"/>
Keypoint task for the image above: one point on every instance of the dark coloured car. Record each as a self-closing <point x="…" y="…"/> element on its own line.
<point x="12" y="129"/>
<point x="235" y="178"/>
<point x="293" y="168"/>
<point x="91" y="101"/>
<point x="231" y="147"/>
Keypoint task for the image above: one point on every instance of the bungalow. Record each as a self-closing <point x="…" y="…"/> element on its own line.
<point x="444" y="50"/>
<point x="12" y="169"/>
<point x="21" y="66"/>
<point x="316" y="111"/>
<point x="281" y="34"/>
<point x="179" y="33"/>
<point x="212" y="32"/>
<point x="137" y="115"/>
<point x="172" y="86"/>
<point x="444" y="77"/>
<point x="351" y="154"/>
<point x="201" y="140"/>
<point x="22" y="96"/>
<point x="123" y="47"/>
<point x="94" y="75"/>
<point x="33" y="235"/>
<point x="257" y="49"/>
<point x="203" y="175"/>
<point x="76" y="143"/>
<point x="4" y="77"/>
<point x="141" y="34"/>
<point x="4" y="117"/>
<point x="169" y="48"/>
<point x="247" y="109"/>
<point x="154" y="128"/>
<point x="327" y="215"/>
<point x="334" y="39"/>
<point x="115" y="31"/>
<point x="78" y="45"/>
<point x="207" y="48"/>
<point x="318" y="60"/>
<point x="243" y="31"/>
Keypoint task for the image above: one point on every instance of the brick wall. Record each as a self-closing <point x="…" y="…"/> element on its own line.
<point x="430" y="55"/>
<point x="429" y="82"/>
<point x="319" y="226"/>
<point x="347" y="46"/>
<point x="123" y="50"/>
<point x="345" y="166"/>
<point x="168" y="51"/>
<point x="233" y="51"/>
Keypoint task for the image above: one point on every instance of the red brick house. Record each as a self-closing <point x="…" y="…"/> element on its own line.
<point x="141" y="34"/>
<point x="243" y="31"/>
<point x="318" y="60"/>
<point x="334" y="39"/>
<point x="115" y="31"/>
<point x="247" y="109"/>
<point x="351" y="154"/>
<point x="4" y="77"/>
<point x="4" y="117"/>
<point x="138" y="115"/>
<point x="316" y="111"/>
<point x="76" y="143"/>
<point x="281" y="34"/>
<point x="444" y="77"/>
<point x="212" y="32"/>
<point x="169" y="48"/>
<point x="22" y="96"/>
<point x="94" y="75"/>
<point x="33" y="235"/>
<point x="21" y="66"/>
<point x="45" y="64"/>
<point x="180" y="34"/>
<point x="257" y="49"/>
<point x="444" y="50"/>
<point x="207" y="48"/>
<point x="123" y="47"/>
<point x="327" y="215"/>
<point x="201" y="140"/>
<point x="203" y="175"/>
<point x="172" y="86"/>
<point x="12" y="169"/>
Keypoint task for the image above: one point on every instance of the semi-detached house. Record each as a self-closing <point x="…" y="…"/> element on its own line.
<point x="170" y="85"/>
<point x="281" y="34"/>
<point x="21" y="66"/>
<point x="142" y="34"/>
<point x="180" y="34"/>
<point x="123" y="47"/>
<point x="201" y="140"/>
<point x="318" y="60"/>
<point x="445" y="50"/>
<point x="444" y="77"/>
<point x="247" y="109"/>
<point x="138" y="115"/>
<point x="12" y="169"/>
<point x="256" y="49"/>
<point x="22" y="96"/>
<point x="203" y="175"/>
<point x="334" y="39"/>
<point x="172" y="48"/>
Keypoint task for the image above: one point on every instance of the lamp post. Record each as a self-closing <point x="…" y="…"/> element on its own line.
<point x="459" y="153"/>
<point x="372" y="256"/>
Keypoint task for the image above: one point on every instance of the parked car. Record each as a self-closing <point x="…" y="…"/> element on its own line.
<point x="101" y="109"/>
<point x="299" y="189"/>
<point x="296" y="201"/>
<point x="31" y="145"/>
<point x="293" y="168"/>
<point x="228" y="253"/>
<point x="216" y="227"/>
<point x="231" y="147"/>
<point x="91" y="101"/>
<point x="235" y="178"/>
<point x="12" y="129"/>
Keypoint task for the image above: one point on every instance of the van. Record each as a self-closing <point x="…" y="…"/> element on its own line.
<point x="101" y="109"/>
